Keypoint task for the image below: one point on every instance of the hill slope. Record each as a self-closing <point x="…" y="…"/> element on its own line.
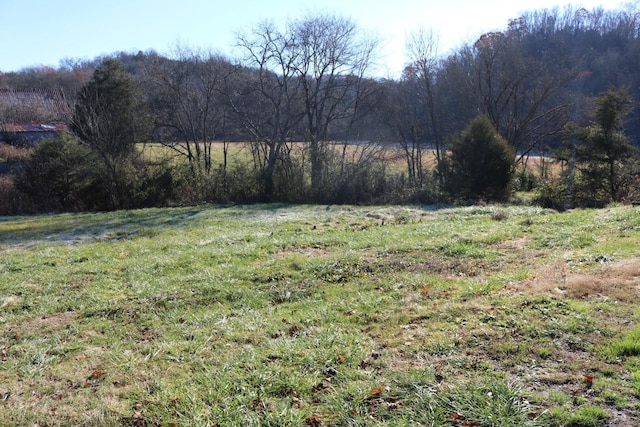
<point x="294" y="315"/>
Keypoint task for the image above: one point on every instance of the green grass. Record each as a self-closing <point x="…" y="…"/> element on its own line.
<point x="316" y="315"/>
<point x="627" y="346"/>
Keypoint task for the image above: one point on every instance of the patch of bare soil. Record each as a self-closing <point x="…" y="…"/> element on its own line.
<point x="518" y="245"/>
<point x="618" y="281"/>
<point x="307" y="251"/>
<point x="47" y="323"/>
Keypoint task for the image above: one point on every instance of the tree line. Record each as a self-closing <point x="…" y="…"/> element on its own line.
<point x="556" y="82"/>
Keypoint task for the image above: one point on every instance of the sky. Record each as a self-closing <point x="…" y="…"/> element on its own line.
<point x="44" y="32"/>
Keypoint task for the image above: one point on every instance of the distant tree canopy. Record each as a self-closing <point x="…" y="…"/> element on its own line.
<point x="301" y="94"/>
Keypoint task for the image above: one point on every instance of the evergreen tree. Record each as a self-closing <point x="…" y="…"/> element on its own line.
<point x="480" y="164"/>
<point x="606" y="154"/>
<point x="111" y="117"/>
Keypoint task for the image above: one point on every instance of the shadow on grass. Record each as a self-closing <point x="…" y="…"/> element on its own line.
<point x="86" y="227"/>
<point x="75" y="228"/>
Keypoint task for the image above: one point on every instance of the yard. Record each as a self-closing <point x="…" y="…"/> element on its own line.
<point x="321" y="315"/>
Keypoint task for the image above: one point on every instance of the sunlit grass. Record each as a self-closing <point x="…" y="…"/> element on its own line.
<point x="294" y="315"/>
<point x="627" y="346"/>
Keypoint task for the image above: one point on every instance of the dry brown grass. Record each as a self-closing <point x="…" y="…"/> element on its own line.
<point x="9" y="153"/>
<point x="48" y="323"/>
<point x="616" y="281"/>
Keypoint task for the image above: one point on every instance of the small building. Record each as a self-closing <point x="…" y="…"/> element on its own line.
<point x="29" y="116"/>
<point x="22" y="134"/>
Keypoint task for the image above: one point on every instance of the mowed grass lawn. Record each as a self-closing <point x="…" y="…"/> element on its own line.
<point x="321" y="315"/>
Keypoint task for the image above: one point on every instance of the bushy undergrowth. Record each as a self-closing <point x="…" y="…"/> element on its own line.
<point x="13" y="201"/>
<point x="65" y="175"/>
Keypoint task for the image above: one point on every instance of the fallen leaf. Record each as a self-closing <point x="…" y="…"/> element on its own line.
<point x="588" y="379"/>
<point x="313" y="420"/>
<point x="376" y="391"/>
<point x="319" y="387"/>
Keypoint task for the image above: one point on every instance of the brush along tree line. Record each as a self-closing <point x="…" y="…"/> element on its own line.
<point x="320" y="128"/>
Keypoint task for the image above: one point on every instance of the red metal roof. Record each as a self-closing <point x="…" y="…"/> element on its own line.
<point x="33" y="127"/>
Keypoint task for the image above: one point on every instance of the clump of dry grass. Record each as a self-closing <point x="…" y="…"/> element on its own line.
<point x="8" y="194"/>
<point x="617" y="281"/>
<point x="12" y="201"/>
<point x="500" y="215"/>
<point x="10" y="153"/>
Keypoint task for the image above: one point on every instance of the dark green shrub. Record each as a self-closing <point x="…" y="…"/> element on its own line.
<point x="526" y="181"/>
<point x="156" y="185"/>
<point x="61" y="175"/>
<point x="605" y="155"/>
<point x="480" y="165"/>
<point x="552" y="194"/>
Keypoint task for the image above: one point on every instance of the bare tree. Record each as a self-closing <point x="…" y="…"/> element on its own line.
<point x="268" y="102"/>
<point x="188" y="97"/>
<point x="523" y="93"/>
<point x="333" y="60"/>
<point x="310" y="78"/>
<point x="520" y="92"/>
<point x="414" y="116"/>
<point x="422" y="47"/>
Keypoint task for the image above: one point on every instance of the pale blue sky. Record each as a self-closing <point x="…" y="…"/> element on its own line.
<point x="42" y="32"/>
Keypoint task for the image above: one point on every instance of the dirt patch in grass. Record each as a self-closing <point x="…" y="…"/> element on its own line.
<point x="306" y="251"/>
<point x="435" y="263"/>
<point x="518" y="245"/>
<point x="617" y="281"/>
<point x="48" y="323"/>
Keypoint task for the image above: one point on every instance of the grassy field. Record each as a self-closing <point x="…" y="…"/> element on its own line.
<point x="314" y="315"/>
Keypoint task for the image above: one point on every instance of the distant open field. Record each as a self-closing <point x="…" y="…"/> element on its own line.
<point x="321" y="315"/>
<point x="241" y="152"/>
<point x="393" y="155"/>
